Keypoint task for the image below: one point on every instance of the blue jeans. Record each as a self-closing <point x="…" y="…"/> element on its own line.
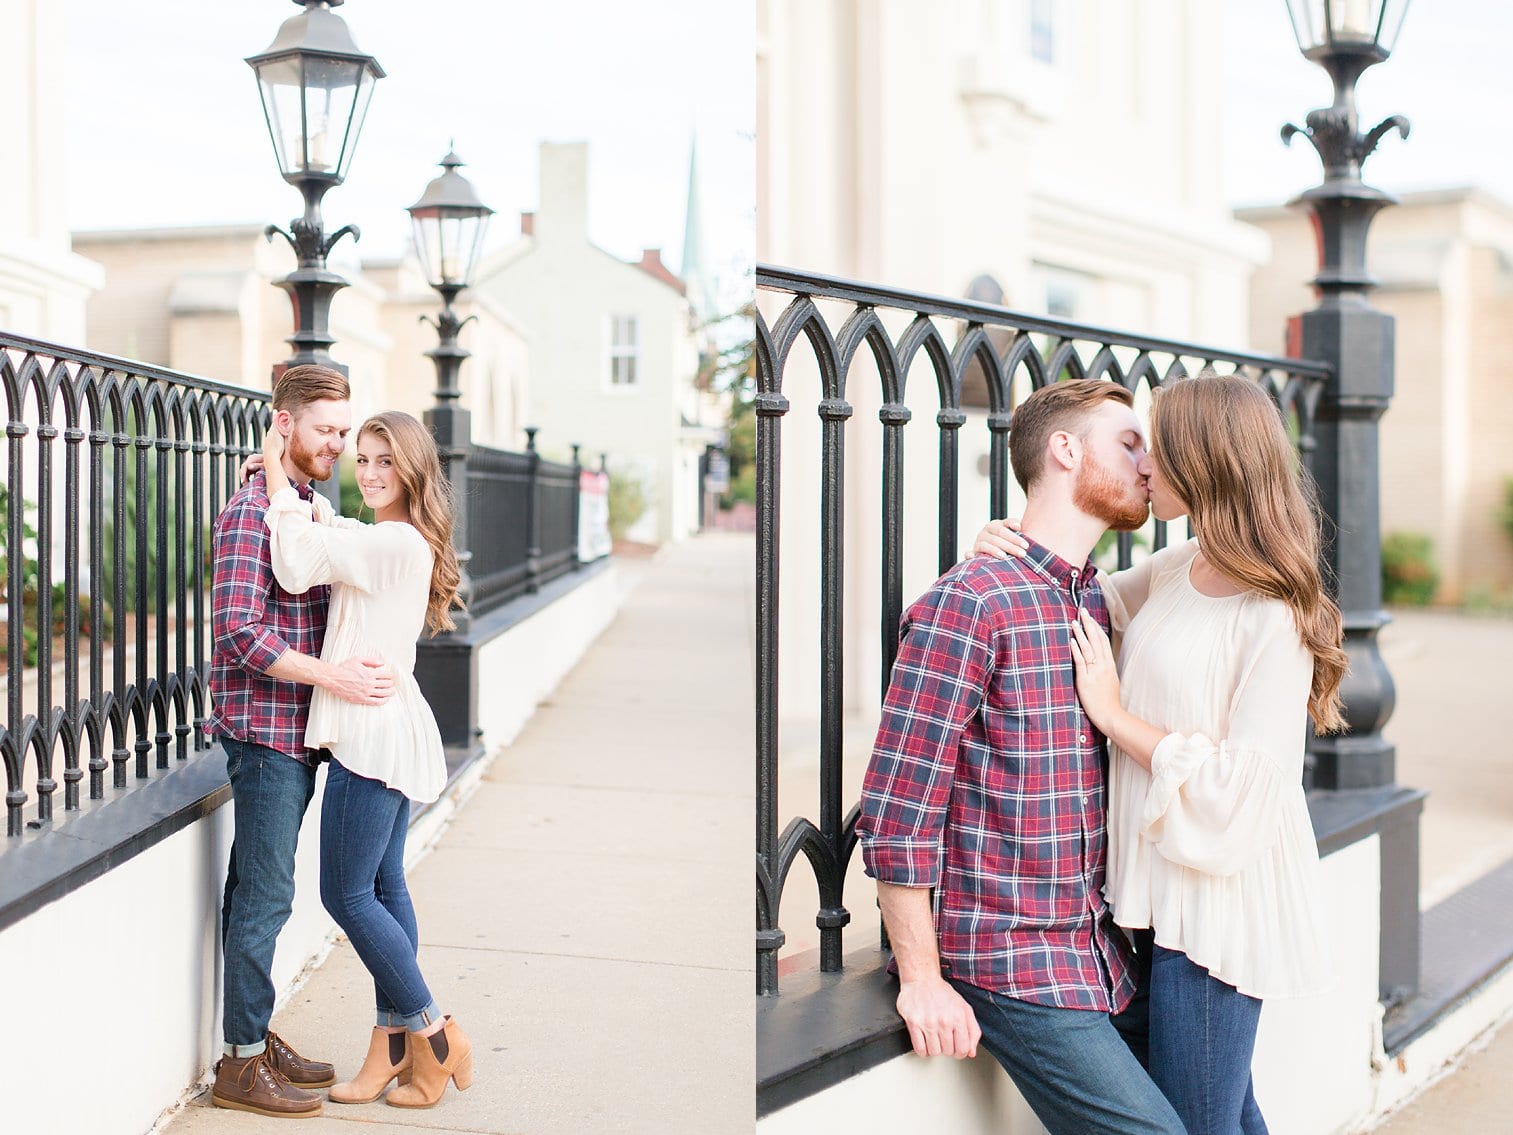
<point x="269" y="794"/>
<point x="1202" y="1036"/>
<point x="1072" y="1067"/>
<point x="363" y="824"/>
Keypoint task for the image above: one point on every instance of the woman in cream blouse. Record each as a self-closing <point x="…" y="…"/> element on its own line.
<point x="389" y="581"/>
<point x="1229" y="646"/>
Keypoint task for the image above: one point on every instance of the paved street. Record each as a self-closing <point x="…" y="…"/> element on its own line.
<point x="587" y="915"/>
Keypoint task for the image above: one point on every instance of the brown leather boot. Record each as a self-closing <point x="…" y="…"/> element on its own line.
<point x="251" y="1083"/>
<point x="429" y="1076"/>
<point x="376" y="1071"/>
<point x="295" y="1068"/>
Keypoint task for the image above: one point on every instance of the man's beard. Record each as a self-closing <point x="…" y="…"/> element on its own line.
<point x="1099" y="493"/>
<point x="306" y="460"/>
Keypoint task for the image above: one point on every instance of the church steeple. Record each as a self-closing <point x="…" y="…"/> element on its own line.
<point x="694" y="272"/>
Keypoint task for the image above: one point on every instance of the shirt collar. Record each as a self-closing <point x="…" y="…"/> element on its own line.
<point x="303" y="489"/>
<point x="1058" y="570"/>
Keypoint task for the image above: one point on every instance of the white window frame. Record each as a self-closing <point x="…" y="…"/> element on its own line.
<point x="622" y="336"/>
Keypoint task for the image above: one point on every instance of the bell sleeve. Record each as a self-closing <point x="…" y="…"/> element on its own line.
<point x="1216" y="806"/>
<point x="370" y="557"/>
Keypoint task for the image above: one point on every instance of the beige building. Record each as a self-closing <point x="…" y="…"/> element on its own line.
<point x="43" y="283"/>
<point x="615" y="349"/>
<point x="203" y="300"/>
<point x="1444" y="260"/>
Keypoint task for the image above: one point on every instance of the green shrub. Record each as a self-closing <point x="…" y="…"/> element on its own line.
<point x="30" y="620"/>
<point x="742" y="488"/>
<point x="141" y="508"/>
<point x="1409" y="577"/>
<point x="1482" y="599"/>
<point x="1506" y="516"/>
<point x="627" y="503"/>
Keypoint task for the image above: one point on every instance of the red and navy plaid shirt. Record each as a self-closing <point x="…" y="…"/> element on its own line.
<point x="987" y="783"/>
<point x="253" y="621"/>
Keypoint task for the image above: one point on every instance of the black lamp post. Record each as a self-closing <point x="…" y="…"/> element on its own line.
<point x="1345" y="37"/>
<point x="450" y="221"/>
<point x="315" y="85"/>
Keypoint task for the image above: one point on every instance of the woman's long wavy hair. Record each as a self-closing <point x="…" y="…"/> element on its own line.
<point x="429" y="494"/>
<point x="1220" y="444"/>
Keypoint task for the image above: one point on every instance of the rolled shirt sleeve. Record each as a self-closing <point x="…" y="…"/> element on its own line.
<point x="944" y="660"/>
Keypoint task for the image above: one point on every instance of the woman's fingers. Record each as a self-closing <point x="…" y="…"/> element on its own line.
<point x="1094" y="635"/>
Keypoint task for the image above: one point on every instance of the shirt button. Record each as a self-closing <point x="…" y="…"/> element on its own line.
<point x="1082" y="737"/>
<point x="1084" y="801"/>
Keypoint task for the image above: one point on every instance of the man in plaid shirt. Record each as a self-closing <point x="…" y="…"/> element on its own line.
<point x="267" y="644"/>
<point x="986" y="787"/>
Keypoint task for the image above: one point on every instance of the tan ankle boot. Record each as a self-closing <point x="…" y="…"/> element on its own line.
<point x="376" y="1072"/>
<point x="429" y="1076"/>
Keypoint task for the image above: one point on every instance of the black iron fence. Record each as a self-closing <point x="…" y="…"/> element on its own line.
<point x="978" y="360"/>
<point x="522" y="522"/>
<point x="115" y="473"/>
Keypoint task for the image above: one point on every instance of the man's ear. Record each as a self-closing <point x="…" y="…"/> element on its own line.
<point x="1065" y="449"/>
<point x="283" y="421"/>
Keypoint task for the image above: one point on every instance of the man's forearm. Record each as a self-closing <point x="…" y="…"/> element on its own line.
<point x="911" y="930"/>
<point x="292" y="666"/>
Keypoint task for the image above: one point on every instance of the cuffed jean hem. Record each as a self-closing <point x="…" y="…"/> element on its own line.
<point x="242" y="1051"/>
<point x="414" y="1022"/>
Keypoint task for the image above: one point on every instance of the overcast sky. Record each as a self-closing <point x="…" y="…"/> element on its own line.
<point x="165" y="126"/>
<point x="1451" y="75"/>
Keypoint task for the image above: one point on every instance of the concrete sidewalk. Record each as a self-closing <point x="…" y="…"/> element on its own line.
<point x="1472" y="1097"/>
<point x="580" y="916"/>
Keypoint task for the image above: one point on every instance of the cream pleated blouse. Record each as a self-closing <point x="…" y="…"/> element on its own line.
<point x="381" y="578"/>
<point x="1213" y="848"/>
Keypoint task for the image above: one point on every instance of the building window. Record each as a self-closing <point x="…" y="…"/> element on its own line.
<point x="1043" y="30"/>
<point x="1066" y="292"/>
<point x="623" y="350"/>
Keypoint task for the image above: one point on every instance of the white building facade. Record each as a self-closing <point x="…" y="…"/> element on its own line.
<point x="614" y="350"/>
<point x="1028" y="154"/>
<point x="43" y="283"/>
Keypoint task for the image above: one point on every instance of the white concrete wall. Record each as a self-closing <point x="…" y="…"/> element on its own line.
<point x="131" y="961"/>
<point x="518" y="669"/>
<point x="1317" y="1057"/>
<point x="908" y="1094"/>
<point x="1317" y="1062"/>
